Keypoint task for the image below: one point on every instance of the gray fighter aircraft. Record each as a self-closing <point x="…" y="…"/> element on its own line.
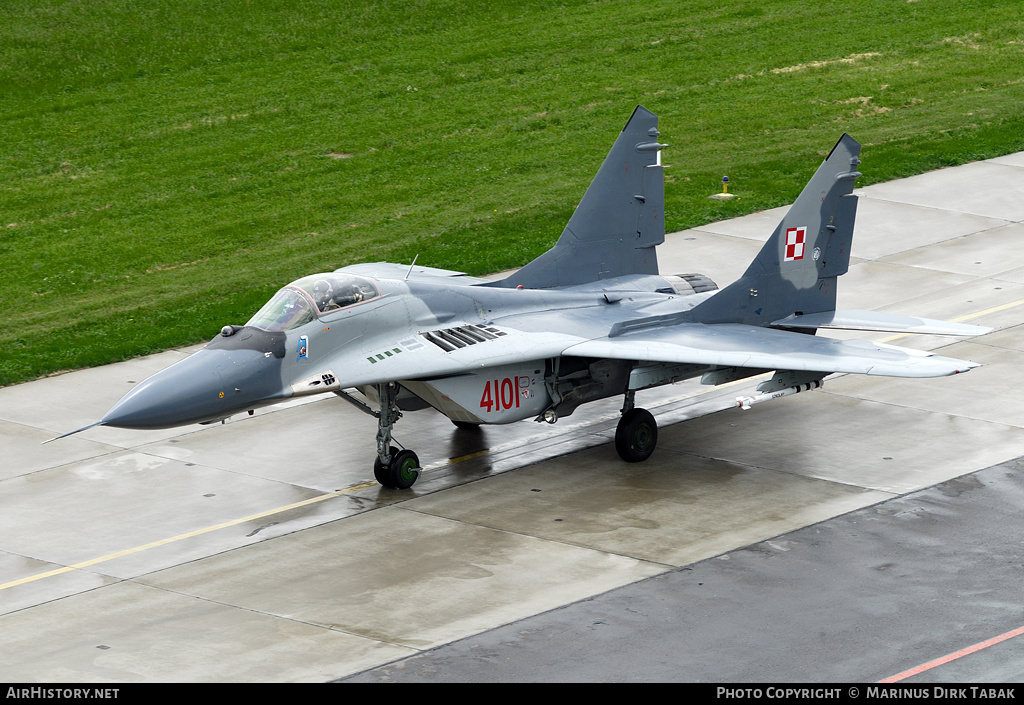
<point x="589" y="319"/>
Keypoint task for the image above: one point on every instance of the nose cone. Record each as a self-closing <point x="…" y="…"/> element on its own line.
<point x="209" y="385"/>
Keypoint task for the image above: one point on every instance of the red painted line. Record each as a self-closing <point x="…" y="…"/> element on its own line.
<point x="954" y="656"/>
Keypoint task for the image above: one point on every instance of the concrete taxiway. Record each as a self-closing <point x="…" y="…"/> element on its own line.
<point x="261" y="550"/>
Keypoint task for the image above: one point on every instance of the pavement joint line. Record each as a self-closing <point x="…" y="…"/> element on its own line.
<point x="181" y="537"/>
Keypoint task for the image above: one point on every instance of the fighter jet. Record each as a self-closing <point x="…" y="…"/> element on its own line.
<point x="589" y="319"/>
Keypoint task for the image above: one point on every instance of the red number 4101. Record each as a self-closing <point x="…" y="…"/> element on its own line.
<point x="499" y="395"/>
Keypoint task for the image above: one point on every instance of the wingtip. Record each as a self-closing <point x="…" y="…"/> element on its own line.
<point x="967" y="367"/>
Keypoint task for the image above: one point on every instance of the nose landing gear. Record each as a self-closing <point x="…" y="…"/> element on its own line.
<point x="394" y="468"/>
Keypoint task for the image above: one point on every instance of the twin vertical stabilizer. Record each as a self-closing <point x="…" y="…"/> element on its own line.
<point x="620" y="220"/>
<point x="795" y="272"/>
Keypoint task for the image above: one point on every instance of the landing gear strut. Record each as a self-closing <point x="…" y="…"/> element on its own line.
<point x="394" y="468"/>
<point x="637" y="433"/>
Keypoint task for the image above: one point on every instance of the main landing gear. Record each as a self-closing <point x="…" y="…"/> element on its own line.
<point x="393" y="468"/>
<point x="637" y="433"/>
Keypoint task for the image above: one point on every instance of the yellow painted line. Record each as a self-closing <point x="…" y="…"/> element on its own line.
<point x="987" y="311"/>
<point x="181" y="537"/>
<point x="470" y="456"/>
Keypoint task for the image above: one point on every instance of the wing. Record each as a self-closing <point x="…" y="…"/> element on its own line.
<point x="456" y="350"/>
<point x="738" y="345"/>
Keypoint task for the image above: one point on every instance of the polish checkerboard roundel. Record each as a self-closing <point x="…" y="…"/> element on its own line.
<point x="795" y="238"/>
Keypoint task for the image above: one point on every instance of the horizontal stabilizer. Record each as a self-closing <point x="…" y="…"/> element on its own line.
<point x="877" y="321"/>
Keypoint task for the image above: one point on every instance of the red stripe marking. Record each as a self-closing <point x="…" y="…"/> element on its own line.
<point x="954" y="656"/>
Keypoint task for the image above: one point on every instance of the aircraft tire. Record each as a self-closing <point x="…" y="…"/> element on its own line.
<point x="401" y="472"/>
<point x="380" y="471"/>
<point x="636" y="435"/>
<point x="466" y="425"/>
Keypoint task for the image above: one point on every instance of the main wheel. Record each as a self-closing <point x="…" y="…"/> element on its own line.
<point x="636" y="435"/>
<point x="401" y="472"/>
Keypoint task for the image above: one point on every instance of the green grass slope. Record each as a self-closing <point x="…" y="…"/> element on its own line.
<point x="165" y="166"/>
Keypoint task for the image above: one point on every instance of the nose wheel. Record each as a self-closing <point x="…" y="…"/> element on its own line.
<point x="393" y="468"/>
<point x="401" y="472"/>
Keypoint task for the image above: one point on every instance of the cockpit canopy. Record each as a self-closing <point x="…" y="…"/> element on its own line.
<point x="304" y="299"/>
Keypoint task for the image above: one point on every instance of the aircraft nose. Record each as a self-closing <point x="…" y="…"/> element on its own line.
<point x="208" y="385"/>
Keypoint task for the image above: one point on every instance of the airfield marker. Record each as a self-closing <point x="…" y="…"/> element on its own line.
<point x="724" y="195"/>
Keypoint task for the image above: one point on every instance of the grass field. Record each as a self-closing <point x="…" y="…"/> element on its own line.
<point x="166" y="165"/>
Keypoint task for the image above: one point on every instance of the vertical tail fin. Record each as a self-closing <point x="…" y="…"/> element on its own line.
<point x="796" y="270"/>
<point x="620" y="220"/>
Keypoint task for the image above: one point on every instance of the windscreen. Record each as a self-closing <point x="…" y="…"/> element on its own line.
<point x="288" y="309"/>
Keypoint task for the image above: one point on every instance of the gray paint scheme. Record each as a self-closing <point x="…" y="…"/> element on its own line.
<point x="589" y="319"/>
